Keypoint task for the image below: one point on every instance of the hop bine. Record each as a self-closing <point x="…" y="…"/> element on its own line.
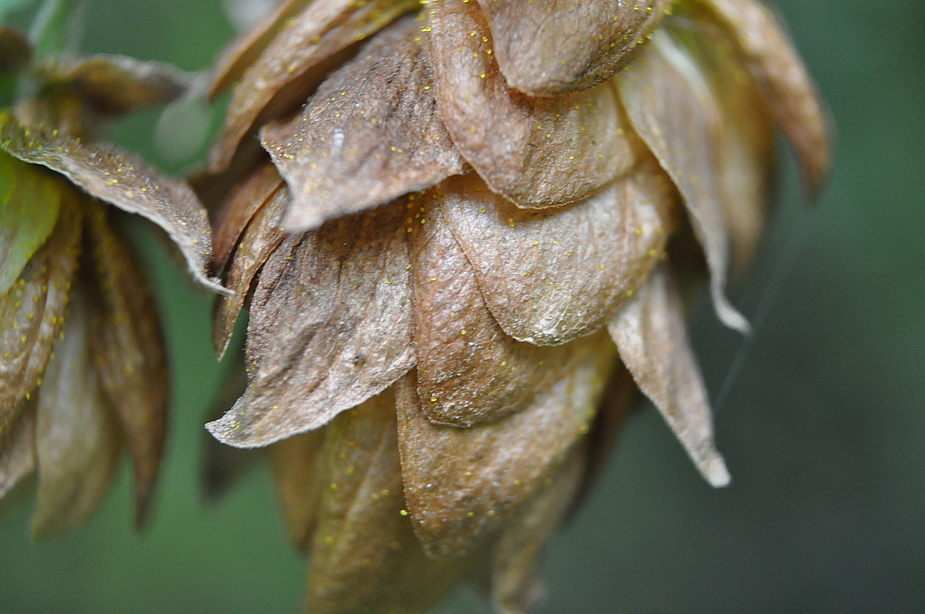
<point x="466" y="251"/>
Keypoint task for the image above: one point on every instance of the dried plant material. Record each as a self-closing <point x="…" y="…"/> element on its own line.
<point x="121" y="180"/>
<point x="551" y="276"/>
<point x="213" y="189"/>
<point x="745" y="149"/>
<point x="263" y="235"/>
<point x="29" y="203"/>
<point x="652" y="338"/>
<point x="236" y="213"/>
<point x="65" y="113"/>
<point x="787" y="87"/>
<point x="369" y="135"/>
<point x="533" y="158"/>
<point x="515" y="586"/>
<point x="32" y="312"/>
<point x="295" y="62"/>
<point x="670" y="105"/>
<point x="15" y="51"/>
<point x="551" y="47"/>
<point x="17" y="451"/>
<point x="77" y="437"/>
<point x="462" y="484"/>
<point x="330" y="326"/>
<point x="115" y="85"/>
<point x="243" y="52"/>
<point x="536" y="152"/>
<point x="128" y="350"/>
<point x="365" y="558"/>
<point x="298" y="483"/>
<point x="469" y="371"/>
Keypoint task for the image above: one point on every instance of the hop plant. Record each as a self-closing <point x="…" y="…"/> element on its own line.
<point x="466" y="251"/>
<point x="83" y="368"/>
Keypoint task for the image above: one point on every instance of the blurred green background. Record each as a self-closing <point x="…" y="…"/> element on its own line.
<point x="823" y="429"/>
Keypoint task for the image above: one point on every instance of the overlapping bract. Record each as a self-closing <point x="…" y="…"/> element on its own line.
<point x="461" y="309"/>
<point x="83" y="368"/>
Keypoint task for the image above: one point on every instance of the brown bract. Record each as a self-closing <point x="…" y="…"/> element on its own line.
<point x="515" y="562"/>
<point x="17" y="450"/>
<point x="671" y="108"/>
<point x="745" y="139"/>
<point x="298" y="477"/>
<point x="463" y="483"/>
<point x="788" y="89"/>
<point x="31" y="314"/>
<point x="369" y="135"/>
<point x="552" y="47"/>
<point x="240" y="54"/>
<point x="475" y="196"/>
<point x="537" y="152"/>
<point x="83" y="366"/>
<point x="552" y="276"/>
<point x="330" y="327"/>
<point x="469" y="371"/>
<point x="365" y="555"/>
<point x="244" y="202"/>
<point x="264" y="236"/>
<point x="306" y="48"/>
<point x="76" y="434"/>
<point x="114" y="84"/>
<point x="128" y="350"/>
<point x="122" y="180"/>
<point x="652" y="337"/>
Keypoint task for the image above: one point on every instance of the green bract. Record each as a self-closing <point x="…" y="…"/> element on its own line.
<point x="29" y="204"/>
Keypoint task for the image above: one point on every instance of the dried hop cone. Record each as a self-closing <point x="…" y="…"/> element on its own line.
<point x="82" y="361"/>
<point x="463" y="245"/>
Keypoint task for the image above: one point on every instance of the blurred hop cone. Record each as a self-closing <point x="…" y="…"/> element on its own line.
<point x="462" y="247"/>
<point x="83" y="369"/>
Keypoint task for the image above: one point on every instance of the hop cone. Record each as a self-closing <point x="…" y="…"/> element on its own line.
<point x="464" y="253"/>
<point x="83" y="368"/>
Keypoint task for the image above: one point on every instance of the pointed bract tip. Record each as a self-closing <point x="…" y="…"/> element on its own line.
<point x="729" y="315"/>
<point x="225" y="431"/>
<point x="714" y="470"/>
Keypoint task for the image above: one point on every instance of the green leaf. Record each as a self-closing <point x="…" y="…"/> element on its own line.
<point x="29" y="204"/>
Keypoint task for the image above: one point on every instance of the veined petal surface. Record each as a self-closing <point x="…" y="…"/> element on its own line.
<point x="462" y="484"/>
<point x="77" y="436"/>
<point x="550" y="47"/>
<point x="554" y="275"/>
<point x="651" y="335"/>
<point x="330" y="326"/>
<point x="124" y="181"/>
<point x="291" y="66"/>
<point x="365" y="556"/>
<point x="537" y="152"/>
<point x="128" y="350"/>
<point x="370" y="134"/>
<point x="468" y="370"/>
<point x="787" y="87"/>
<point x="671" y="108"/>
<point x="32" y="313"/>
